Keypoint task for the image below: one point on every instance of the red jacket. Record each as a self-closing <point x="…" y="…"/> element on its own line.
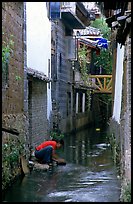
<point x="47" y="143"/>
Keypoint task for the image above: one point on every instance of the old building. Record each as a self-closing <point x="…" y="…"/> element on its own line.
<point x="82" y="70"/>
<point x="71" y="15"/>
<point x="118" y="17"/>
<point x="26" y="88"/>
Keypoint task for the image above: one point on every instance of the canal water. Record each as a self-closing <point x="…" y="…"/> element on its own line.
<point x="88" y="176"/>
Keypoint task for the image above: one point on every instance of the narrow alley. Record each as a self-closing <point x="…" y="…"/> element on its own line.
<point x="66" y="74"/>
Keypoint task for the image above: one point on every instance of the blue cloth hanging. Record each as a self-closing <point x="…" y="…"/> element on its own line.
<point x="102" y="42"/>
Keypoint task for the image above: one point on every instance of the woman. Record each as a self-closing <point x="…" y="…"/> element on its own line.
<point x="45" y="152"/>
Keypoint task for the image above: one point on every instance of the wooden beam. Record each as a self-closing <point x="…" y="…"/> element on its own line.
<point x="10" y="130"/>
<point x="104" y="82"/>
<point x="100" y="76"/>
<point x="100" y="84"/>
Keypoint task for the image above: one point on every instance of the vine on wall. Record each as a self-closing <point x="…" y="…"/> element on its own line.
<point x="82" y="53"/>
<point x="7" y="50"/>
<point x="11" y="151"/>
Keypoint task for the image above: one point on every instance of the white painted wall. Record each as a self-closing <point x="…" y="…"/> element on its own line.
<point x="38" y="36"/>
<point x="118" y="84"/>
<point x="38" y="33"/>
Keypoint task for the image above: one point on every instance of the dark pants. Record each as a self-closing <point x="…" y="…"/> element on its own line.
<point x="44" y="155"/>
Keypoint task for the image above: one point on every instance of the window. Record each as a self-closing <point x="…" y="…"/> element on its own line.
<point x="71" y="48"/>
<point x="54" y="10"/>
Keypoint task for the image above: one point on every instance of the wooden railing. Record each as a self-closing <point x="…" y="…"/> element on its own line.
<point x="101" y="83"/>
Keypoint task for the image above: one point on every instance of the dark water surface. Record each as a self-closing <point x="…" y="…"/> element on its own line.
<point x="88" y="176"/>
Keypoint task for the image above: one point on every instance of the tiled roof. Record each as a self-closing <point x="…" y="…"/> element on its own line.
<point x="88" y="42"/>
<point x="91" y="31"/>
<point x="37" y="74"/>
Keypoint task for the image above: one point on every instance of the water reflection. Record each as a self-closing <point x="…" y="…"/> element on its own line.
<point x="88" y="176"/>
<point x="83" y="146"/>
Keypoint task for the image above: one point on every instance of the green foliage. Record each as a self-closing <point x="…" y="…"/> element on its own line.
<point x="56" y="136"/>
<point x="18" y="77"/>
<point x="82" y="52"/>
<point x="115" y="151"/>
<point x="13" y="151"/>
<point x="101" y="24"/>
<point x="7" y="49"/>
<point x="10" y="160"/>
<point x="82" y="60"/>
<point x="105" y="58"/>
<point x="126" y="193"/>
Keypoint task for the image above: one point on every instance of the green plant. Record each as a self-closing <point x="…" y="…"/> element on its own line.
<point x="18" y="77"/>
<point x="56" y="136"/>
<point x="126" y="193"/>
<point x="105" y="58"/>
<point x="115" y="148"/>
<point x="7" y="49"/>
<point x="11" y="151"/>
<point x="82" y="61"/>
<point x="82" y="53"/>
<point x="101" y="24"/>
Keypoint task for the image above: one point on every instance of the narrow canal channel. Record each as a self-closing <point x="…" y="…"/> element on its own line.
<point x="88" y="176"/>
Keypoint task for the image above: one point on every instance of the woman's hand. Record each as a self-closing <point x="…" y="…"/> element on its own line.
<point x="61" y="161"/>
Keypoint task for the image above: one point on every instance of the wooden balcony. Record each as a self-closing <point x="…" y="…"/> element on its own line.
<point x="74" y="15"/>
<point x="101" y="83"/>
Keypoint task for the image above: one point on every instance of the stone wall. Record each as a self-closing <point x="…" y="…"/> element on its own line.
<point x="13" y="94"/>
<point x="126" y="114"/>
<point x="13" y="116"/>
<point x="122" y="131"/>
<point x="12" y="24"/>
<point x="61" y="73"/>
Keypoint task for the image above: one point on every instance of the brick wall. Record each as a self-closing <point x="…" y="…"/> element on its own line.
<point x="38" y="124"/>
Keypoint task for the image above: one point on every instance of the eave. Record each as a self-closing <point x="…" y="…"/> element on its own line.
<point x="38" y="75"/>
<point x="72" y="21"/>
<point x="88" y="43"/>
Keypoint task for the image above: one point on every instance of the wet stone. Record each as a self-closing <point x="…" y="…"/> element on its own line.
<point x="38" y="166"/>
